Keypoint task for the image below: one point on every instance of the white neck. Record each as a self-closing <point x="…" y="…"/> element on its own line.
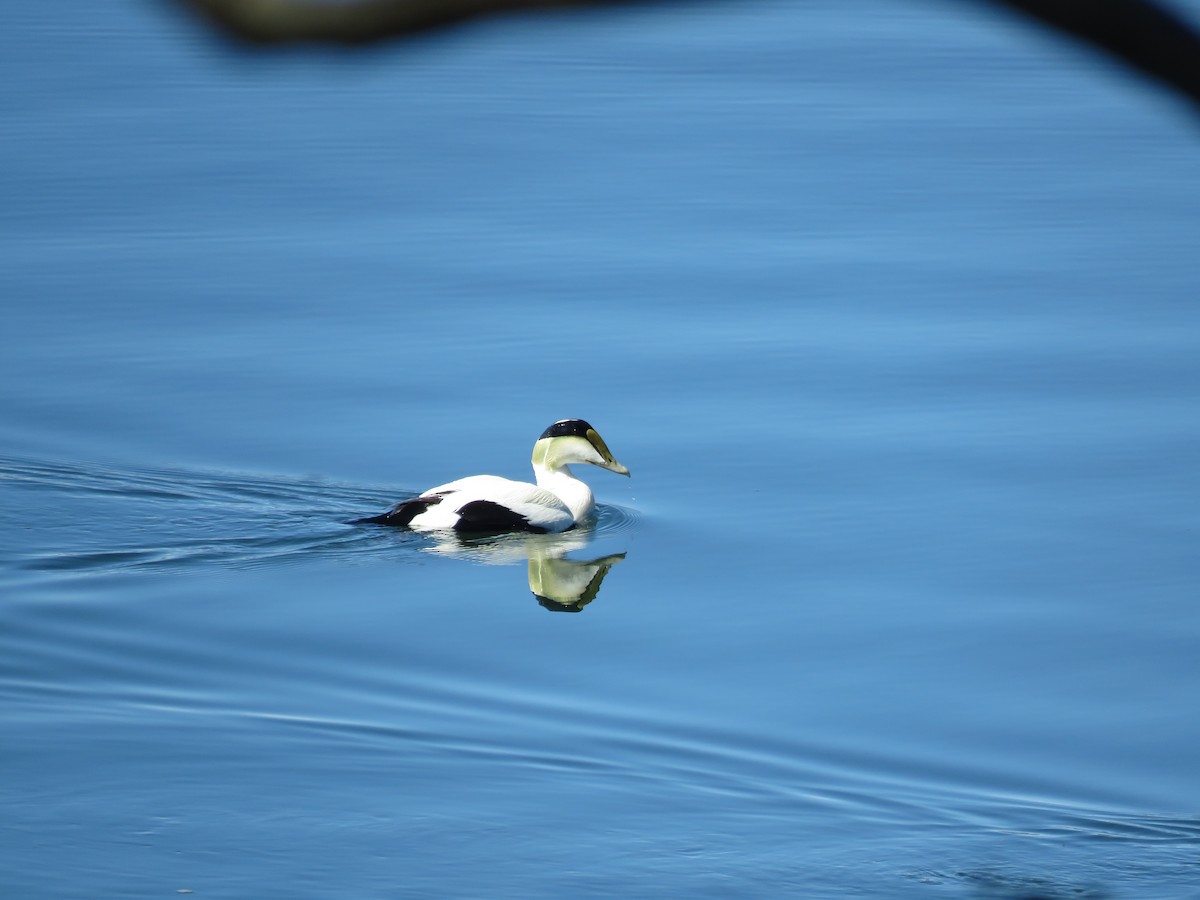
<point x="559" y="481"/>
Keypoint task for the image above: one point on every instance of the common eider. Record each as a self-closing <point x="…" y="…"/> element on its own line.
<point x="489" y="503"/>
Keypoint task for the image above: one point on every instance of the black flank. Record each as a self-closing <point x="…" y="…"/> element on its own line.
<point x="484" y="515"/>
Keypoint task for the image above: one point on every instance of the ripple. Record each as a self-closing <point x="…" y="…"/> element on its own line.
<point x="1132" y="828"/>
<point x="66" y="515"/>
<point x="772" y="780"/>
<point x="72" y="518"/>
<point x="612" y="519"/>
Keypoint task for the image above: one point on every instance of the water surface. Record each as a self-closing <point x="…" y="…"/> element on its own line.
<point x="893" y="316"/>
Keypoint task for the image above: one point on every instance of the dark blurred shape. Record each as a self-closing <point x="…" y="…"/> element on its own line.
<point x="353" y="21"/>
<point x="1143" y="34"/>
<point x="1146" y="35"/>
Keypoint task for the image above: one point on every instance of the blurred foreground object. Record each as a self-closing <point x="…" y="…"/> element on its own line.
<point x="353" y="21"/>
<point x="1143" y="34"/>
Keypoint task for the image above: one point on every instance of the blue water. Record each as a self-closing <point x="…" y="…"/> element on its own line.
<point x="892" y="312"/>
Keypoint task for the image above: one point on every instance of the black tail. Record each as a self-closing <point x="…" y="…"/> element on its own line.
<point x="402" y="514"/>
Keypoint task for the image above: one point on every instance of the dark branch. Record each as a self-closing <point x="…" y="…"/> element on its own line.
<point x="351" y="21"/>
<point x="1146" y="35"/>
<point x="1142" y="33"/>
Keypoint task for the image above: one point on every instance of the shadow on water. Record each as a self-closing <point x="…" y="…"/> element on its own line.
<point x="70" y="518"/>
<point x="990" y="885"/>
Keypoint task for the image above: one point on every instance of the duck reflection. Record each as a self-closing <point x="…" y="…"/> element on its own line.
<point x="568" y="585"/>
<point x="558" y="582"/>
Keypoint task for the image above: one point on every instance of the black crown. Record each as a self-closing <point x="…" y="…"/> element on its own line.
<point x="567" y="428"/>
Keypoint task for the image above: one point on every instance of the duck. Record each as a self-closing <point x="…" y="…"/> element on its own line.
<point x="490" y="504"/>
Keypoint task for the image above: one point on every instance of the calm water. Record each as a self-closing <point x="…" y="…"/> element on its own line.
<point x="893" y="314"/>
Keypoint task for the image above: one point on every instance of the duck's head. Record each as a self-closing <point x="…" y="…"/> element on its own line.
<point x="570" y="441"/>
